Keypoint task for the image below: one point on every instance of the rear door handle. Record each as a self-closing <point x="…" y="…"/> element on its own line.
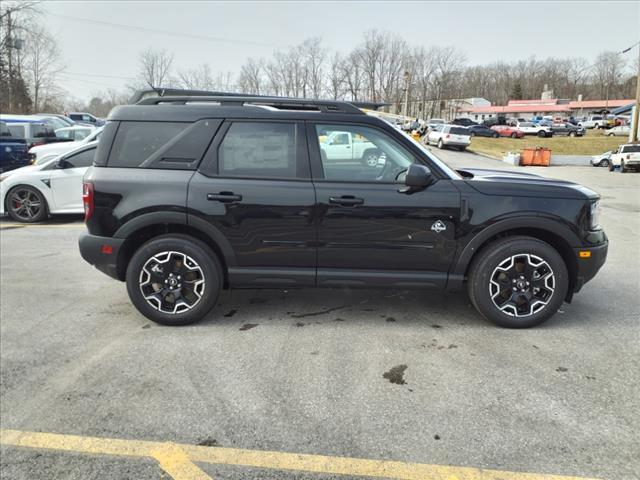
<point x="224" y="197"/>
<point x="346" y="201"/>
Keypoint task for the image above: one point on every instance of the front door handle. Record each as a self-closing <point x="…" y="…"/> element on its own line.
<point x="224" y="197"/>
<point x="346" y="201"/>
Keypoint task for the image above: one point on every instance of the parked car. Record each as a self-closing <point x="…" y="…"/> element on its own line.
<point x="465" y="122"/>
<point x="75" y="133"/>
<point x="619" y="131"/>
<point x="30" y="194"/>
<point x="626" y="157"/>
<point x="34" y="133"/>
<point x="482" y="131"/>
<point x="83" y="117"/>
<point x="449" y="136"/>
<point x="43" y="153"/>
<point x="186" y="200"/>
<point x="601" y="160"/>
<point x="435" y="121"/>
<point x="595" y="121"/>
<point x="507" y="131"/>
<point x="13" y="151"/>
<point x="567" y="129"/>
<point x="529" y="128"/>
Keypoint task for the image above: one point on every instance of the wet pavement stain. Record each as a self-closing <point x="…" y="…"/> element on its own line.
<point x="230" y="313"/>
<point x="248" y="326"/>
<point x="436" y="437"/>
<point x="315" y="352"/>
<point x="391" y="319"/>
<point x="435" y="325"/>
<point x="321" y="312"/>
<point x="339" y="320"/>
<point x="255" y="301"/>
<point x="300" y="324"/>
<point x="396" y="374"/>
<point x="148" y="325"/>
<point x="562" y="369"/>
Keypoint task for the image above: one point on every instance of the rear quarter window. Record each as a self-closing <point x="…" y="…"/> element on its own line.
<point x="631" y="149"/>
<point x="459" y="131"/>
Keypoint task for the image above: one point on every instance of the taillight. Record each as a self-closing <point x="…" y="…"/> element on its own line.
<point x="87" y="200"/>
<point x="448" y="135"/>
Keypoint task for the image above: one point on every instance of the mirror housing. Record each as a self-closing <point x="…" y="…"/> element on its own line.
<point x="61" y="163"/>
<point x="418" y="177"/>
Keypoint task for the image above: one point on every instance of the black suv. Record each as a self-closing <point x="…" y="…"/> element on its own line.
<point x="190" y="195"/>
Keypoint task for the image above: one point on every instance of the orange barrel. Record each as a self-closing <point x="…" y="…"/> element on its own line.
<point x="541" y="157"/>
<point x="526" y="156"/>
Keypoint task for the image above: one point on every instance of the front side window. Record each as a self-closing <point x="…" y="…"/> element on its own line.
<point x="64" y="134"/>
<point x="82" y="159"/>
<point x="372" y="156"/>
<point x="260" y="149"/>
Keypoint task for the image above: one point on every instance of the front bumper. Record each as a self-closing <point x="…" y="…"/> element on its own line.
<point x="588" y="266"/>
<point x="101" y="252"/>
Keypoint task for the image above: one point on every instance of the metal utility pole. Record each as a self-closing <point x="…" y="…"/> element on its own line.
<point x="406" y="92"/>
<point x="636" y="110"/>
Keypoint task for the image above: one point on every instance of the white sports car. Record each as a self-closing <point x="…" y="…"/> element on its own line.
<point x="44" y="153"/>
<point x="30" y="194"/>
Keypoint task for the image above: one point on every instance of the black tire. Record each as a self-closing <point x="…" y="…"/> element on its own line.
<point x="472" y="134"/>
<point x="604" y="163"/>
<point x="486" y="274"/>
<point x="572" y="134"/>
<point x="440" y="144"/>
<point x="542" y="133"/>
<point x="180" y="249"/>
<point x="514" y="135"/>
<point x="26" y="204"/>
<point x="495" y="135"/>
<point x="611" y="134"/>
<point x="611" y="167"/>
<point x="623" y="169"/>
<point x="370" y="158"/>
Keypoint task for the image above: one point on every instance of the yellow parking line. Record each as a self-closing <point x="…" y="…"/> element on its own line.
<point x="40" y="225"/>
<point x="176" y="459"/>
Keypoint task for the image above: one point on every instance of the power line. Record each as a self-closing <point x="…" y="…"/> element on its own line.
<point x="165" y="32"/>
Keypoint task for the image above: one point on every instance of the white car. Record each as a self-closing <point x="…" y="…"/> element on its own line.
<point x="44" y="153"/>
<point x="619" y="131"/>
<point x="601" y="160"/>
<point x="449" y="136"/>
<point x="530" y="128"/>
<point x="627" y="157"/>
<point x="30" y="194"/>
<point x="75" y="133"/>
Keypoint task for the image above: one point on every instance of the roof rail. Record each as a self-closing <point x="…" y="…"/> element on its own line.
<point x="325" y="106"/>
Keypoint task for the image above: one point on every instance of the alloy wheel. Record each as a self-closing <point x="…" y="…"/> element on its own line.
<point x="522" y="285"/>
<point x="25" y="204"/>
<point x="172" y="282"/>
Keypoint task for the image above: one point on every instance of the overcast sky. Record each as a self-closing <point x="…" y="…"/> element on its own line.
<point x="98" y="54"/>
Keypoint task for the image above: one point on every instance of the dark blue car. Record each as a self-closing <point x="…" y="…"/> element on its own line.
<point x="14" y="152"/>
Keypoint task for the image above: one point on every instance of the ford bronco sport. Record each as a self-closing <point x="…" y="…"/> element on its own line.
<point x="192" y="195"/>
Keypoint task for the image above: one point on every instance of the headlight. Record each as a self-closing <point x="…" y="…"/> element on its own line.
<point x="595" y="215"/>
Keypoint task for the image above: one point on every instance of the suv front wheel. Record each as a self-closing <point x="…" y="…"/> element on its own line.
<point x="518" y="282"/>
<point x="174" y="279"/>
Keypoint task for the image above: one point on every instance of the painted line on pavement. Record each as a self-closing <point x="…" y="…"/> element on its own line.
<point x="177" y="459"/>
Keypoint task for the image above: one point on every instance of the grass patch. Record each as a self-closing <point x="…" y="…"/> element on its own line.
<point x="593" y="143"/>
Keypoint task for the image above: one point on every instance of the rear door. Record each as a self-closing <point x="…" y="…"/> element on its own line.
<point x="253" y="192"/>
<point x="369" y="231"/>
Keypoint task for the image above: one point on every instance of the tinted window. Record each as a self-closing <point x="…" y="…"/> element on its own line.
<point x="64" y="134"/>
<point x="4" y="130"/>
<point x="17" y="130"/>
<point x="42" y="131"/>
<point x="631" y="149"/>
<point x="82" y="159"/>
<point x="252" y="149"/>
<point x="137" y="141"/>
<point x="458" y="131"/>
<point x="374" y="156"/>
<point x="81" y="134"/>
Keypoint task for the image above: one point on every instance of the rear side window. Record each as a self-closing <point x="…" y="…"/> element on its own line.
<point x="631" y="149"/>
<point x="135" y="142"/>
<point x="458" y="131"/>
<point x="42" y="131"/>
<point x="254" y="149"/>
<point x="17" y="130"/>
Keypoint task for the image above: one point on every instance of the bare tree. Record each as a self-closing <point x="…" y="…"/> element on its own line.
<point x="336" y="77"/>
<point x="199" y="78"/>
<point x="313" y="57"/>
<point x="42" y="65"/>
<point x="607" y="71"/>
<point x="155" y="67"/>
<point x="251" y="79"/>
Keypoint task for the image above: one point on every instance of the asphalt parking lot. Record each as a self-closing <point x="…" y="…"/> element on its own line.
<point x="406" y="376"/>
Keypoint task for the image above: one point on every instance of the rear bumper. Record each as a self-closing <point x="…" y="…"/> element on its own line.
<point x="589" y="266"/>
<point x="95" y="250"/>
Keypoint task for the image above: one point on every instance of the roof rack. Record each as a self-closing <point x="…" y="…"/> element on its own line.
<point x="325" y="106"/>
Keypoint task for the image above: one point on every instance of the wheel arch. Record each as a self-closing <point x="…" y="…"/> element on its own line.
<point x="556" y="235"/>
<point x="145" y="231"/>
<point x="45" y="195"/>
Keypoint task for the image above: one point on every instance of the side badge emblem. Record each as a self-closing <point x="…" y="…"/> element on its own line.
<point x="438" y="227"/>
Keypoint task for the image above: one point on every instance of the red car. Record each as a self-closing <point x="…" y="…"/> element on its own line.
<point x="507" y="131"/>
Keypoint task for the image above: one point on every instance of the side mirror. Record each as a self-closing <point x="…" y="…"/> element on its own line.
<point x="418" y="177"/>
<point x="61" y="163"/>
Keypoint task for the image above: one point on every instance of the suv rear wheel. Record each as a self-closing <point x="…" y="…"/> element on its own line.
<point x="174" y="279"/>
<point x="518" y="282"/>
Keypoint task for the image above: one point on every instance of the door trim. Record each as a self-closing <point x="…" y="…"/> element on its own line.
<point x="334" y="277"/>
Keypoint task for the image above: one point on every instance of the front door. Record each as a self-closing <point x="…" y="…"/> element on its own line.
<point x="254" y="192"/>
<point x="66" y="182"/>
<point x="371" y="232"/>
